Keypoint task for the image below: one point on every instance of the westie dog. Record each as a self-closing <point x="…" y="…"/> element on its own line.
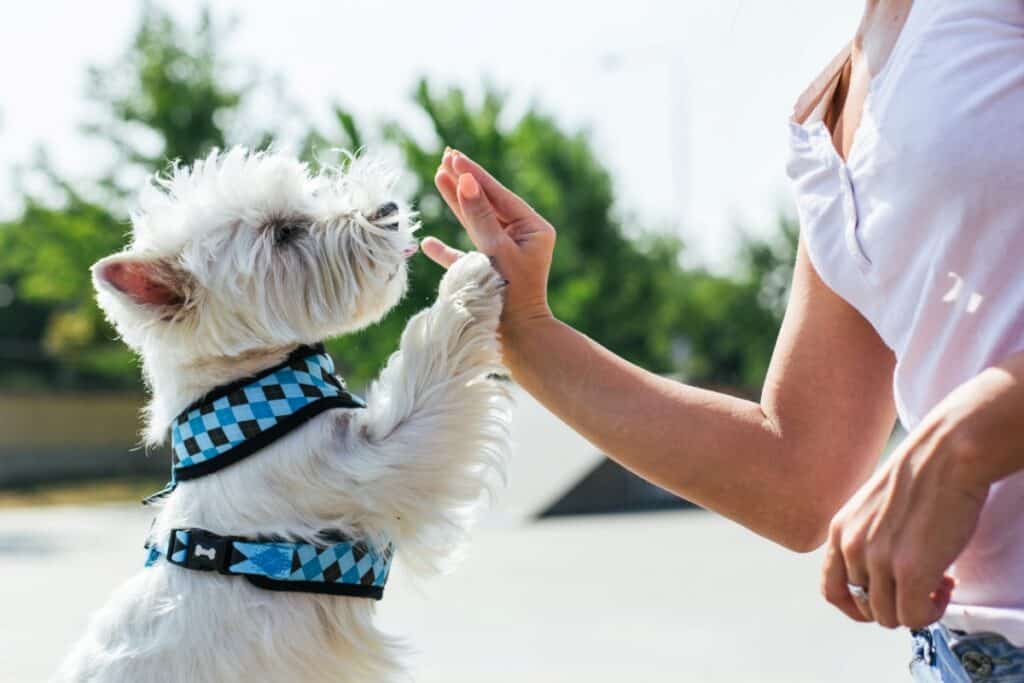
<point x="237" y="266"/>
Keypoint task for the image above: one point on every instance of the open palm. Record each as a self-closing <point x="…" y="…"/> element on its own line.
<point x="501" y="225"/>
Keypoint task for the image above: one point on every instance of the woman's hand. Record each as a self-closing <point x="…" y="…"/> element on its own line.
<point x="504" y="227"/>
<point x="900" y="533"/>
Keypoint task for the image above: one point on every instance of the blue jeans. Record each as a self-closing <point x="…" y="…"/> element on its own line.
<point x="945" y="656"/>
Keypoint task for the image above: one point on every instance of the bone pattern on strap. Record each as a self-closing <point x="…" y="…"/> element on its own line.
<point x="346" y="567"/>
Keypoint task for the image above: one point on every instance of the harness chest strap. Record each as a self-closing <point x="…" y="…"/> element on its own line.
<point x="237" y="420"/>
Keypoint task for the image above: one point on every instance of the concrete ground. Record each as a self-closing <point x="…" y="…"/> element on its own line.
<point x="681" y="596"/>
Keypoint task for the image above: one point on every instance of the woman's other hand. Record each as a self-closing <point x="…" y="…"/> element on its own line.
<point x="899" y="534"/>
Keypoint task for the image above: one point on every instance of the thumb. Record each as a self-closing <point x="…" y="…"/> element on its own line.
<point x="481" y="221"/>
<point x="439" y="252"/>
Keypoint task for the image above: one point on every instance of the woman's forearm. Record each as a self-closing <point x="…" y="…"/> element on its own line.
<point x="716" y="450"/>
<point x="986" y="421"/>
<point x="781" y="467"/>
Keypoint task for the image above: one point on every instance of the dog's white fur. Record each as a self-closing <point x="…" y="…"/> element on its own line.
<point x="231" y="301"/>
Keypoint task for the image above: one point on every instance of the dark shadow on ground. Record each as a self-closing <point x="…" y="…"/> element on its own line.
<point x="610" y="488"/>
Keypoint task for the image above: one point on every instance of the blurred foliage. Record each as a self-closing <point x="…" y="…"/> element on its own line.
<point x="165" y="98"/>
<point x="729" y="324"/>
<point x="169" y="86"/>
<point x="168" y="97"/>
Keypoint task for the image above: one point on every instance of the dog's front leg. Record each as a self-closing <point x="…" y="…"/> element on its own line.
<point x="436" y="428"/>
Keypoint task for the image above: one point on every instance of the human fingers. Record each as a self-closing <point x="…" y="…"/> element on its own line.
<point x="882" y="592"/>
<point x="920" y="599"/>
<point x="481" y="221"/>
<point x="446" y="182"/>
<point x="439" y="252"/>
<point x="508" y="204"/>
<point x="834" y="584"/>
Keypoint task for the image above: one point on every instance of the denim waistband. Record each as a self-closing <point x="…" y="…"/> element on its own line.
<point x="943" y="655"/>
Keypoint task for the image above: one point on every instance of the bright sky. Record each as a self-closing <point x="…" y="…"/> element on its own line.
<point x="686" y="101"/>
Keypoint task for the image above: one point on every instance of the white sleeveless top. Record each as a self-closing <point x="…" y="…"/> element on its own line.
<point x="922" y="230"/>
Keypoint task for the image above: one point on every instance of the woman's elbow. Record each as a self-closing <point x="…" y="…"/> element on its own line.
<point x="805" y="540"/>
<point x="808" y="531"/>
<point x="814" y="503"/>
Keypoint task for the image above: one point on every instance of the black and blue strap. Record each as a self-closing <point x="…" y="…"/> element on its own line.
<point x="341" y="567"/>
<point x="237" y="420"/>
<point x="234" y="421"/>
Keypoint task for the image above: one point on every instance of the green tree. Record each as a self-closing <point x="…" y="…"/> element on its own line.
<point x="165" y="98"/>
<point x="170" y="97"/>
<point x="729" y="325"/>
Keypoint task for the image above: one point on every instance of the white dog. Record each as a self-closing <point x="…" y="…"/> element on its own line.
<point x="236" y="266"/>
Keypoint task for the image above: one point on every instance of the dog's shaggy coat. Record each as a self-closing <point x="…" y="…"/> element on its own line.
<point x="233" y="263"/>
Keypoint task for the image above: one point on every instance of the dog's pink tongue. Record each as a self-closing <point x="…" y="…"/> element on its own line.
<point x="409" y="251"/>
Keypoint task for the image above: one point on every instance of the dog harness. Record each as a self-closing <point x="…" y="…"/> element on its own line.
<point x="236" y="421"/>
<point x="345" y="567"/>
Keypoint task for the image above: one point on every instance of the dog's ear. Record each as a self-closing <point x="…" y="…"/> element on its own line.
<point x="153" y="282"/>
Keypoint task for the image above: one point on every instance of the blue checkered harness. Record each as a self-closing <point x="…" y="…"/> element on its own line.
<point x="342" y="567"/>
<point x="236" y="421"/>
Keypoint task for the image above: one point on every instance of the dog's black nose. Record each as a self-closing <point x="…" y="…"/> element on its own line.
<point x="383" y="211"/>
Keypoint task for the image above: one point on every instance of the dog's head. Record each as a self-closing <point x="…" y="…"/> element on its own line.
<point x="245" y="250"/>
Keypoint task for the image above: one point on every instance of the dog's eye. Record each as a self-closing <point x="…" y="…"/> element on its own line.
<point x="285" y="230"/>
<point x="285" y="233"/>
<point x="388" y="210"/>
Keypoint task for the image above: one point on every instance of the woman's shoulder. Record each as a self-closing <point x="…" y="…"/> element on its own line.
<point x="816" y="95"/>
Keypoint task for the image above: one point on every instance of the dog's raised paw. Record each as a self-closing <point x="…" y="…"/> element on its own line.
<point x="473" y="282"/>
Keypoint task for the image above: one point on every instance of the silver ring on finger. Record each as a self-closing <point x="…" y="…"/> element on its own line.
<point x="859" y="593"/>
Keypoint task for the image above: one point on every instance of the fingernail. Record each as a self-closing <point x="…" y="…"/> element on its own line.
<point x="447" y="151"/>
<point x="468" y="186"/>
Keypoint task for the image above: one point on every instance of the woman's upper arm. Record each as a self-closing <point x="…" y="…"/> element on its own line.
<point x="828" y="391"/>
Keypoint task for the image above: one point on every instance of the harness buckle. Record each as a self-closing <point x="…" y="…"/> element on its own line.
<point x="207" y="552"/>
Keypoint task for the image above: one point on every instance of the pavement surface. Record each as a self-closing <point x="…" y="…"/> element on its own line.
<point x="673" y="596"/>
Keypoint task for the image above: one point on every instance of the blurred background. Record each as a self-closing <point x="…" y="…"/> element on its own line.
<point x="652" y="135"/>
